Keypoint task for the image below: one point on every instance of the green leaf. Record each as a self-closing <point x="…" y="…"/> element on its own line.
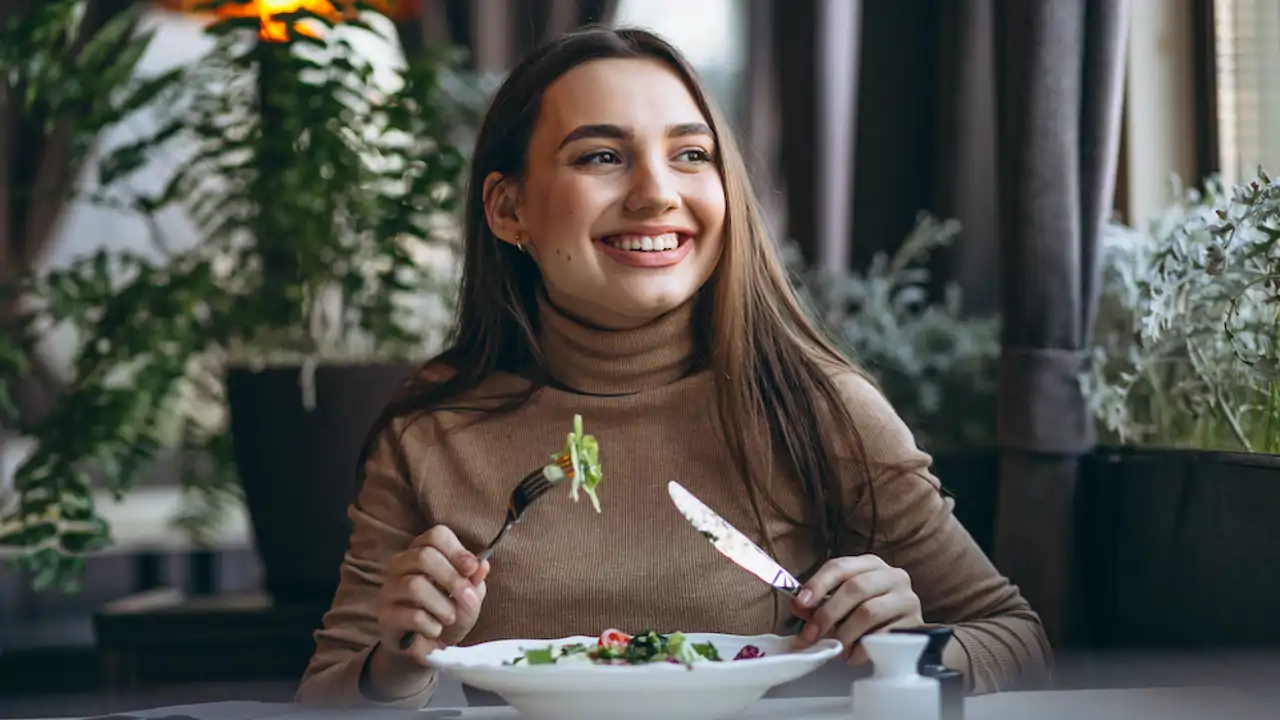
<point x="293" y="187"/>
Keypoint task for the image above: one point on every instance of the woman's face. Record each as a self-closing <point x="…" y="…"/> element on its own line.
<point x="621" y="204"/>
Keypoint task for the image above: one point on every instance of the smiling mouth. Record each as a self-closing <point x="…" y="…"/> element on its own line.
<point x="646" y="243"/>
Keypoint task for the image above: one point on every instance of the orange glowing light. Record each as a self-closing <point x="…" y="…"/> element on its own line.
<point x="278" y="31"/>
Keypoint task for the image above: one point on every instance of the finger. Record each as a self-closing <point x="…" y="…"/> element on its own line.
<point x="420" y="648"/>
<point x="417" y="591"/>
<point x="470" y="599"/>
<point x="403" y="619"/>
<point x="443" y="539"/>
<point x="803" y="613"/>
<point x="858" y="656"/>
<point x="875" y="615"/>
<point x="478" y="577"/>
<point x="431" y="562"/>
<point x="832" y="574"/>
<point x="469" y="610"/>
<point x="852" y="594"/>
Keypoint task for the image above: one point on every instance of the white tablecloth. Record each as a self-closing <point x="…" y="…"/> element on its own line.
<point x="1137" y="704"/>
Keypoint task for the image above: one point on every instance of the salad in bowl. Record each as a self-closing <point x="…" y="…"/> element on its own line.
<point x="615" y="647"/>
<point x="703" y="676"/>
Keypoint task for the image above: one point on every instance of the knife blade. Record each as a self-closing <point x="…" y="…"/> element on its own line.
<point x="730" y="541"/>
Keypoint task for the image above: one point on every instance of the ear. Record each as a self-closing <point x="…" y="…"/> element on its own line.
<point x="501" y="208"/>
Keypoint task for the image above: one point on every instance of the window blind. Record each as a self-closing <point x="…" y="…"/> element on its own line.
<point x="1247" y="60"/>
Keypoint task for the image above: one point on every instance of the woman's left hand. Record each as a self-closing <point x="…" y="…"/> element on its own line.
<point x="863" y="595"/>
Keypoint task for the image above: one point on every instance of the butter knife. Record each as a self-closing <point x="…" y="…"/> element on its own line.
<point x="731" y="542"/>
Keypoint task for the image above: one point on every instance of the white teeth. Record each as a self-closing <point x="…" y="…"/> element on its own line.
<point x="645" y="243"/>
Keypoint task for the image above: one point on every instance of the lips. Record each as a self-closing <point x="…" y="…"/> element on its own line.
<point x="651" y="250"/>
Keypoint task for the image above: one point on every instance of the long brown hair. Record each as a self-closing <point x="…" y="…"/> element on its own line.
<point x="772" y="367"/>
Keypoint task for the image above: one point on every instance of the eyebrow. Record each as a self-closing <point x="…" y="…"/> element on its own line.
<point x="617" y="132"/>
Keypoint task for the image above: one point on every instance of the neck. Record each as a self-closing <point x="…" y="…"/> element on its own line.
<point x="598" y="361"/>
<point x="597" y="318"/>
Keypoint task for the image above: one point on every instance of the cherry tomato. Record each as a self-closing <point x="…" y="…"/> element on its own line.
<point x="614" y="638"/>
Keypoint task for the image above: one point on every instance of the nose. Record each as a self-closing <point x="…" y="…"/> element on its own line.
<point x="653" y="188"/>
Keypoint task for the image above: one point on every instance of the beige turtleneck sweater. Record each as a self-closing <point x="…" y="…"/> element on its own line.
<point x="565" y="570"/>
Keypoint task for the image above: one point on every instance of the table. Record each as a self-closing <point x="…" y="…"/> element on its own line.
<point x="163" y="636"/>
<point x="1189" y="703"/>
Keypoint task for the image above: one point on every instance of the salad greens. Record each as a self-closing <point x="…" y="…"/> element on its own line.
<point x="583" y="452"/>
<point x="618" y="648"/>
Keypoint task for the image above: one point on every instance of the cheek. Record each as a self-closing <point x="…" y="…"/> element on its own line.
<point x="566" y="207"/>
<point x="559" y="216"/>
<point x="708" y="205"/>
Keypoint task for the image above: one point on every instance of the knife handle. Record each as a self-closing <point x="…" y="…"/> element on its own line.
<point x="794" y="592"/>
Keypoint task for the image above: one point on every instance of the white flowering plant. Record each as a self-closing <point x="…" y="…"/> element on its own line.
<point x="937" y="364"/>
<point x="1185" y="353"/>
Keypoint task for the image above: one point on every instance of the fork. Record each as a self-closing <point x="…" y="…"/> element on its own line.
<point x="533" y="486"/>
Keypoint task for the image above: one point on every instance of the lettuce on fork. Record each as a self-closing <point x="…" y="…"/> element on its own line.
<point x="583" y="452"/>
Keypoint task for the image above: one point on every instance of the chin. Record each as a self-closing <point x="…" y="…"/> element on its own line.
<point x="651" y="305"/>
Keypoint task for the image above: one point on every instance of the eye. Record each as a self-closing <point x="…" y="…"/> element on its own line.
<point x="694" y="155"/>
<point x="598" y="157"/>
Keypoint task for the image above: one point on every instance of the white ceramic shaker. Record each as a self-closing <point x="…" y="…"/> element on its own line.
<point x="896" y="690"/>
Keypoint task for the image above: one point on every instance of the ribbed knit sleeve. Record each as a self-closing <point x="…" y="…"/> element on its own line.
<point x="386" y="517"/>
<point x="998" y="640"/>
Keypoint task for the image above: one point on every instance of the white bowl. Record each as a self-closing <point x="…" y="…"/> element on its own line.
<point x="584" y="691"/>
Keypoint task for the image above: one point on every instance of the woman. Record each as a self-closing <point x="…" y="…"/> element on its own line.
<point x="617" y="267"/>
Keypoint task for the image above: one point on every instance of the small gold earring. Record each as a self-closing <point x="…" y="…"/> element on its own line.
<point x="519" y="245"/>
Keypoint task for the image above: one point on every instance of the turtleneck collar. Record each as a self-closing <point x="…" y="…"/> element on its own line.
<point x="616" y="362"/>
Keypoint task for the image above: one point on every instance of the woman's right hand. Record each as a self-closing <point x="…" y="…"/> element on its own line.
<point x="434" y="589"/>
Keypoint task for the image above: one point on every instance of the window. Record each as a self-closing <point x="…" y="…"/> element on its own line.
<point x="1246" y="37"/>
<point x="712" y="34"/>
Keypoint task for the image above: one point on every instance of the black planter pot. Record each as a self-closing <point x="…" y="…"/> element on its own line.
<point x="298" y="466"/>
<point x="1176" y="549"/>
<point x="1180" y="549"/>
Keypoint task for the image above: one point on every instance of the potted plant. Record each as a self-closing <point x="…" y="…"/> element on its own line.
<point x="1186" y="332"/>
<point x="67" y="76"/>
<point x="937" y="365"/>
<point x="323" y="201"/>
<point x="1185" y="391"/>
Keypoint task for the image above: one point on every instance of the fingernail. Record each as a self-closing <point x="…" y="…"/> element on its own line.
<point x="805" y="596"/>
<point x="468" y="597"/>
<point x="811" y="632"/>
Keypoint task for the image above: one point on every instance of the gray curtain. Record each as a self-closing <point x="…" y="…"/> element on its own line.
<point x="1061" y="70"/>
<point x="868" y="113"/>
<point x="813" y="97"/>
<point x="498" y="32"/>
<point x="1003" y="114"/>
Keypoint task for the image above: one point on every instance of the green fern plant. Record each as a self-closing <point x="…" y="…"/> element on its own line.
<point x="316" y="193"/>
